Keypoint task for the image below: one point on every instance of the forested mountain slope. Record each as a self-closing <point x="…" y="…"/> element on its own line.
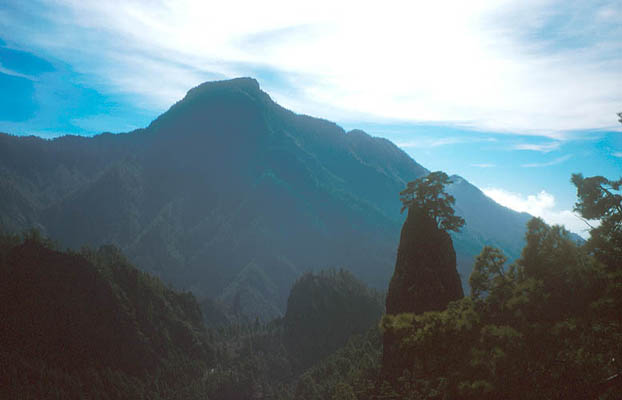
<point x="231" y="196"/>
<point x="90" y="325"/>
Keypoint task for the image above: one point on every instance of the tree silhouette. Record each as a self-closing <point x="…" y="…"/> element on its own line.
<point x="601" y="199"/>
<point x="427" y="194"/>
<point x="488" y="271"/>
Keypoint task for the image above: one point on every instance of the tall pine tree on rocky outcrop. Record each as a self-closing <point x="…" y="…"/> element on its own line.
<point x="425" y="277"/>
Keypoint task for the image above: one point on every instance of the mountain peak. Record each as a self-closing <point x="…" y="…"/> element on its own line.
<point x="250" y="86"/>
<point x="215" y="93"/>
<point x="244" y="83"/>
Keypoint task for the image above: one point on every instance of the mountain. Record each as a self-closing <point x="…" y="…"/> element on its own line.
<point x="90" y="325"/>
<point x="231" y="196"/>
<point x="323" y="311"/>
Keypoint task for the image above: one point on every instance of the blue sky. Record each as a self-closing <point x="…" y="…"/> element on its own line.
<point x="512" y="95"/>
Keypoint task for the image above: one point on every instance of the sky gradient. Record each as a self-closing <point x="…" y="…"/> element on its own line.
<point x="512" y="95"/>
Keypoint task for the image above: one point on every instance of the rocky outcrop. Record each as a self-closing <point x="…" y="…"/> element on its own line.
<point x="425" y="277"/>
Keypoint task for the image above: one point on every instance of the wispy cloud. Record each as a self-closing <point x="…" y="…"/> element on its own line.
<point x="7" y="71"/>
<point x="556" y="161"/>
<point x="540" y="205"/>
<point x="617" y="154"/>
<point x="484" y="165"/>
<point x="492" y="65"/>
<point x="431" y="142"/>
<point x="541" y="147"/>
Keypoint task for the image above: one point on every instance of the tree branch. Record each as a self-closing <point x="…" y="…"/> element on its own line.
<point x="584" y="220"/>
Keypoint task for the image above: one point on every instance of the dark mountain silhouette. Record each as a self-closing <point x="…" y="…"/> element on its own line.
<point x="231" y="196"/>
<point x="91" y="325"/>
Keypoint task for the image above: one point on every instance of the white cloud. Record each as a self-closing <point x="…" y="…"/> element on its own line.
<point x="485" y="64"/>
<point x="556" y="161"/>
<point x="540" y="205"/>
<point x="543" y="147"/>
<point x="617" y="154"/>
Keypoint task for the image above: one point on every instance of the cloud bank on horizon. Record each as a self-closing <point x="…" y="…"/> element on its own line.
<point x="541" y="205"/>
<point x="540" y="67"/>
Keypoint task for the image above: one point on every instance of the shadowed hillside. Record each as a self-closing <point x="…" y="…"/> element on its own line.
<point x="90" y="325"/>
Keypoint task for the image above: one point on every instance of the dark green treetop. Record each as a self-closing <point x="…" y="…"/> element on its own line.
<point x="597" y="197"/>
<point x="601" y="199"/>
<point x="488" y="271"/>
<point x="428" y="194"/>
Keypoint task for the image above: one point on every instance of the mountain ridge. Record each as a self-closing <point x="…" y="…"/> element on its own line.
<point x="230" y="195"/>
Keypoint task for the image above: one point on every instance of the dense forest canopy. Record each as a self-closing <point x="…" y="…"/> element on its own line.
<point x="90" y="325"/>
<point x="545" y="326"/>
